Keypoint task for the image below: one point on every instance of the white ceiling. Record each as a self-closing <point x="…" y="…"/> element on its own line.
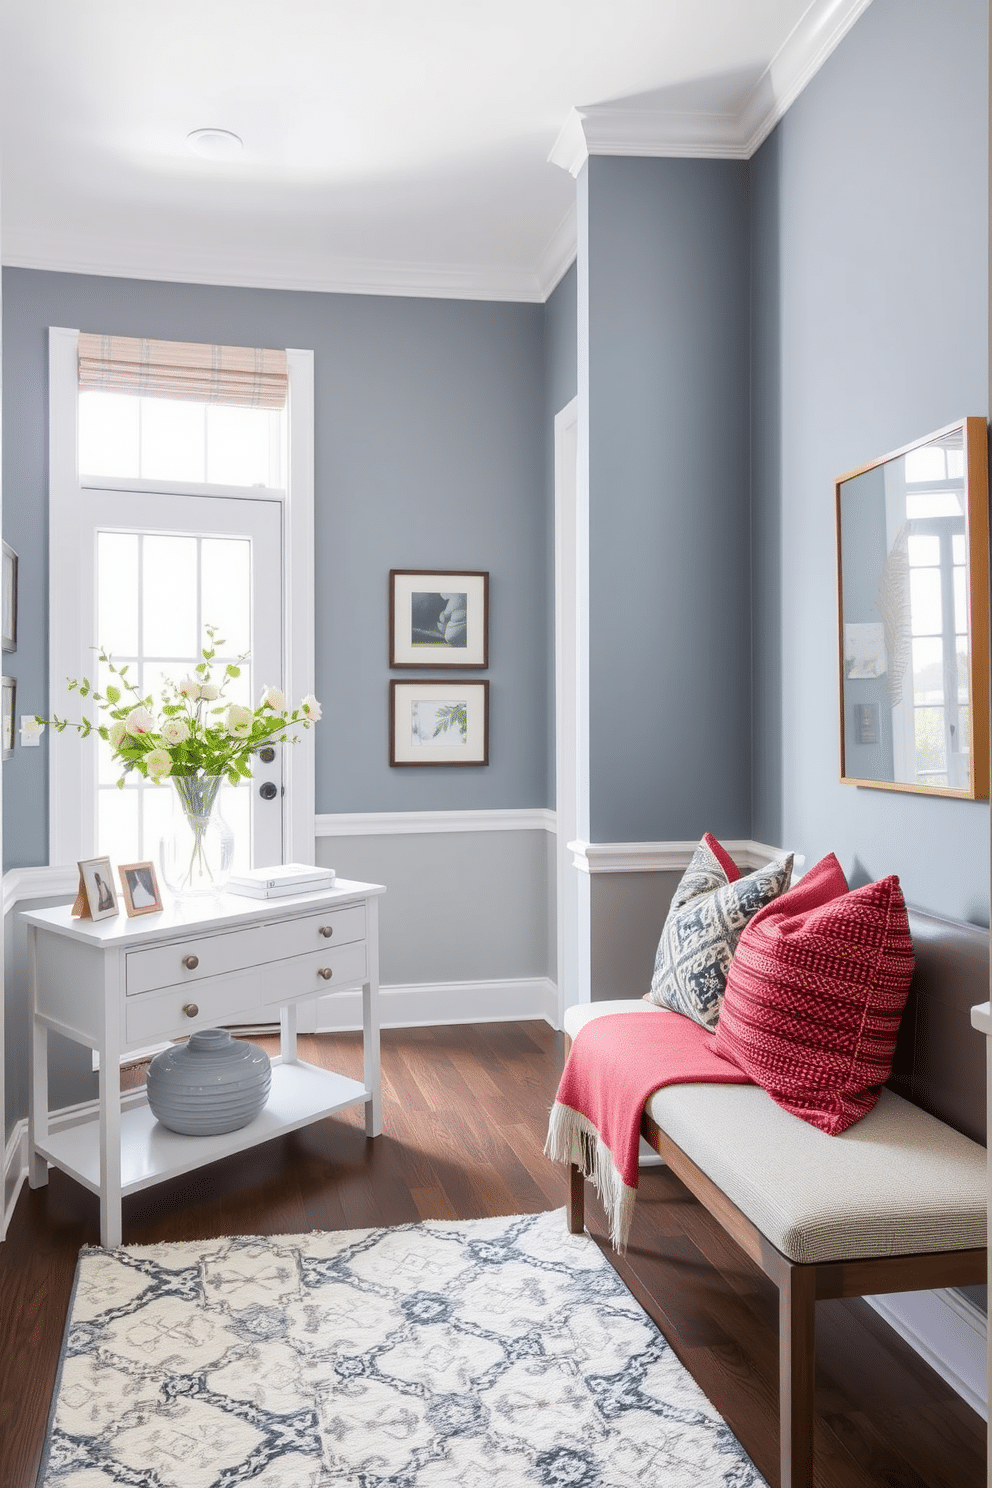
<point x="396" y="146"/>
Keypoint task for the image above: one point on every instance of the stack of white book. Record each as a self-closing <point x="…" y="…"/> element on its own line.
<point x="285" y="878"/>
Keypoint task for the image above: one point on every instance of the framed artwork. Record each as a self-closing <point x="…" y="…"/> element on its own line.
<point x="438" y="619"/>
<point x="139" y="887"/>
<point x="9" y="689"/>
<point x="96" y="886"/>
<point x="8" y="602"/>
<point x="439" y="723"/>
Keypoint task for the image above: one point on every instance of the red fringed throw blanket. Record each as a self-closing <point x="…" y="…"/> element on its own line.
<point x="614" y="1065"/>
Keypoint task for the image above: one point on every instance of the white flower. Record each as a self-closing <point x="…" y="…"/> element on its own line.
<point x="116" y="733"/>
<point x="31" y="729"/>
<point x="310" y="707"/>
<point x="188" y="687"/>
<point x="175" y="731"/>
<point x="158" y="763"/>
<point x="209" y="691"/>
<point x="140" y="721"/>
<point x="275" y="697"/>
<point x="238" y="721"/>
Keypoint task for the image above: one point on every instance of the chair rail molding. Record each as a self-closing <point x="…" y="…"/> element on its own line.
<point x="665" y="857"/>
<point x="403" y="823"/>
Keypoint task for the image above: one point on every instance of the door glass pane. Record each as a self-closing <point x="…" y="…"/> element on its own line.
<point x="117" y="601"/>
<point x="169" y="609"/>
<point x="178" y="580"/>
<point x="226" y="578"/>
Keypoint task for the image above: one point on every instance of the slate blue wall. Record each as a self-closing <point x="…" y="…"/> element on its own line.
<point x="430" y="451"/>
<point x="667" y="328"/>
<point x="869" y="306"/>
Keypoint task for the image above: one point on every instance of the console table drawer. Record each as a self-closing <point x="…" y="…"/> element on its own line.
<point x="323" y="930"/>
<point x="193" y="958"/>
<point x="168" y="1014"/>
<point x="319" y="973"/>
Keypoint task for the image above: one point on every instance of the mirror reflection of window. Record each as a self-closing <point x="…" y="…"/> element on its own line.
<point x="913" y="569"/>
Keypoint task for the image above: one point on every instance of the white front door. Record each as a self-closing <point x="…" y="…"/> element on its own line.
<point x="164" y="567"/>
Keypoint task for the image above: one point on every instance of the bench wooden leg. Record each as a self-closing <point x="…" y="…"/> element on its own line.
<point x="576" y="1201"/>
<point x="796" y="1374"/>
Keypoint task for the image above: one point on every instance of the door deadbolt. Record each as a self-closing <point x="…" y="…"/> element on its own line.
<point x="267" y="755"/>
<point x="268" y="790"/>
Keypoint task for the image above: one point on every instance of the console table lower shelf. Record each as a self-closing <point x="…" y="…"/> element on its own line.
<point x="300" y="1095"/>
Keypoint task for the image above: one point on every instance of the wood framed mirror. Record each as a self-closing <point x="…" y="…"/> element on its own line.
<point x="913" y="581"/>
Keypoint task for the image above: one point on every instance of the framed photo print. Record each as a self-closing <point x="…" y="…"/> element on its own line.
<point x="438" y="619"/>
<point x="140" y="888"/>
<point x="96" y="886"/>
<point x="8" y="600"/>
<point x="8" y="690"/>
<point x="439" y="723"/>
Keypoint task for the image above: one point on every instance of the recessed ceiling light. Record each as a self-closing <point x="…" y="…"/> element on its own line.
<point x="215" y="144"/>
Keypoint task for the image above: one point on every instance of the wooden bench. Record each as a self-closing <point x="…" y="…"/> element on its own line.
<point x="897" y="1203"/>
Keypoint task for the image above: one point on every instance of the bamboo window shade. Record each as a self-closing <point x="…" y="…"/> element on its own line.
<point x="193" y="371"/>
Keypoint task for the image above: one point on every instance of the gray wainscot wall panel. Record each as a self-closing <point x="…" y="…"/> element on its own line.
<point x="459" y="906"/>
<point x="627" y="912"/>
<point x="870" y="330"/>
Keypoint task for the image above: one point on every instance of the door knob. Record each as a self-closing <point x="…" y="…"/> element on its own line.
<point x="268" y="790"/>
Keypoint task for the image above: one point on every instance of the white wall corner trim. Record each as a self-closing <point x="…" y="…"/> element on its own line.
<point x="405" y="823"/>
<point x="618" y="129"/>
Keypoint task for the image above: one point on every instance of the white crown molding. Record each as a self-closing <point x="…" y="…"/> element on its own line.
<point x="247" y="271"/>
<point x="406" y="823"/>
<point x="613" y="129"/>
<point x="559" y="255"/>
<point x="665" y="857"/>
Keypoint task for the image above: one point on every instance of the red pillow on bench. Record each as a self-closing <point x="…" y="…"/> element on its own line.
<point x="815" y="994"/>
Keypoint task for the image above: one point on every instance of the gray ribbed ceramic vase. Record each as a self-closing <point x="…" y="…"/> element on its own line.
<point x="214" y="1083"/>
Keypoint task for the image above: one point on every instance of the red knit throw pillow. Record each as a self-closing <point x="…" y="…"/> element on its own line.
<point x="815" y="994"/>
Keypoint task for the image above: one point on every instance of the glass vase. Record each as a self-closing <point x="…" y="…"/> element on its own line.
<point x="197" y="853"/>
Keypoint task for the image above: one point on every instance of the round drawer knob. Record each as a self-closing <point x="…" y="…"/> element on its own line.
<point x="191" y="962"/>
<point x="325" y="972"/>
<point x="191" y="1010"/>
<point x="327" y="931"/>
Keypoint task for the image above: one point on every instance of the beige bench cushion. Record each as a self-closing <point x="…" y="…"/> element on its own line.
<point x="898" y="1182"/>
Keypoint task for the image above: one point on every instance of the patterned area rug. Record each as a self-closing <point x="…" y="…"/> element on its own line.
<point x="492" y="1353"/>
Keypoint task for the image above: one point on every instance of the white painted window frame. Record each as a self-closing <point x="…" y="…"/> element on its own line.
<point x="68" y="651"/>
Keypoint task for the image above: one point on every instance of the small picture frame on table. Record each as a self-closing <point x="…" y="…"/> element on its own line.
<point x="7" y="731"/>
<point x="438" y="618"/>
<point x="97" y="898"/>
<point x="439" y="722"/>
<point x="140" y="889"/>
<point x="8" y="600"/>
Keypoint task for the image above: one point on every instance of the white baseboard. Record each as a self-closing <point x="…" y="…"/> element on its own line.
<point x="425" y="1005"/>
<point x="949" y="1332"/>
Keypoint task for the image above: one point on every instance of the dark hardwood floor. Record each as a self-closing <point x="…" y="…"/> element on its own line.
<point x="465" y="1117"/>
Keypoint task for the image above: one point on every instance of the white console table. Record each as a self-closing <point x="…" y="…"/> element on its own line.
<point x="119" y="985"/>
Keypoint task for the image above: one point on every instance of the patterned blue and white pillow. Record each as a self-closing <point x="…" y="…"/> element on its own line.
<point x="707" y="914"/>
